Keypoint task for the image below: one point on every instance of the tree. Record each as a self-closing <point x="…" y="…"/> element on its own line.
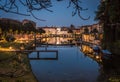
<point x="72" y="27"/>
<point x="0" y="33"/>
<point x="10" y="31"/>
<point x="0" y="30"/>
<point x="29" y="27"/>
<point x="95" y="31"/>
<point x="16" y="32"/>
<point x="70" y="31"/>
<point x="40" y="30"/>
<point x="13" y="6"/>
<point x="86" y="31"/>
<point x="10" y="38"/>
<point x="108" y="15"/>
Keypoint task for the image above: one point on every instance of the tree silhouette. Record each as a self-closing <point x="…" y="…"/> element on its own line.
<point x="70" y="31"/>
<point x="28" y="27"/>
<point x="72" y="27"/>
<point x="86" y="31"/>
<point x="13" y="6"/>
<point x="108" y="15"/>
<point x="40" y="30"/>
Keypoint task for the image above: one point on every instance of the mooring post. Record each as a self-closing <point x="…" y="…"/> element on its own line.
<point x="46" y="46"/>
<point x="38" y="54"/>
<point x="57" y="54"/>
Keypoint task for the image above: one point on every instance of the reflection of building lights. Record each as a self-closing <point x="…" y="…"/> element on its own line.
<point x="97" y="57"/>
<point x="58" y="42"/>
<point x="22" y="47"/>
<point x="15" y="40"/>
<point x="7" y="49"/>
<point x="26" y="41"/>
<point x="33" y="45"/>
<point x="10" y="47"/>
<point x="86" y="48"/>
<point x="21" y="41"/>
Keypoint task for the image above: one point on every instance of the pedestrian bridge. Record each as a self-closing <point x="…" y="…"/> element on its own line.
<point x="37" y="53"/>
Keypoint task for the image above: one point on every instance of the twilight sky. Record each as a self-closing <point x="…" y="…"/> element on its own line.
<point x="61" y="15"/>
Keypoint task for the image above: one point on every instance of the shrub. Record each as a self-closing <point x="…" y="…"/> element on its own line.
<point x="10" y="38"/>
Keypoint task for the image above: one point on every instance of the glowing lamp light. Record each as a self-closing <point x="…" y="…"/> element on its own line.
<point x="15" y="40"/>
<point x="10" y="47"/>
<point x="33" y="45"/>
<point x="58" y="42"/>
<point x="97" y="57"/>
<point x="22" y="48"/>
<point x="21" y="41"/>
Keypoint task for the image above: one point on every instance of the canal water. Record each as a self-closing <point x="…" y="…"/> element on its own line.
<point x="70" y="66"/>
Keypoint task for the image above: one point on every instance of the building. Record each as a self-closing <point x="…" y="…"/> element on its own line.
<point x="94" y="33"/>
<point x="49" y="30"/>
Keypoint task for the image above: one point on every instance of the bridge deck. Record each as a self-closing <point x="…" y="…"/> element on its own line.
<point x="29" y="51"/>
<point x="38" y="53"/>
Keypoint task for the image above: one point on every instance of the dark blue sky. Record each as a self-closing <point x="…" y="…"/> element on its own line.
<point x="61" y="15"/>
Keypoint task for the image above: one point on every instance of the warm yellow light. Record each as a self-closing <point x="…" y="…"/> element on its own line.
<point x="7" y="49"/>
<point x="33" y="45"/>
<point x="97" y="57"/>
<point x="26" y="41"/>
<point x="21" y="41"/>
<point x="15" y="40"/>
<point x="58" y="43"/>
<point x="10" y="47"/>
<point x="22" y="48"/>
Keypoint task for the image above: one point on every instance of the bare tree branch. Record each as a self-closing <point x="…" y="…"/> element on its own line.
<point x="14" y="12"/>
<point x="36" y="17"/>
<point x="77" y="8"/>
<point x="12" y="6"/>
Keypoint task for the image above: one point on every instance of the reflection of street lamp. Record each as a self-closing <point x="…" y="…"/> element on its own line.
<point x="56" y="36"/>
<point x="97" y="57"/>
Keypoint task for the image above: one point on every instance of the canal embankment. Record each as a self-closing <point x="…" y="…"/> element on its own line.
<point x="14" y="66"/>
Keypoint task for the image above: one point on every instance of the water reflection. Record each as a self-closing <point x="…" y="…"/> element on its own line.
<point x="57" y="40"/>
<point x="109" y="68"/>
<point x="72" y="66"/>
<point x="88" y="51"/>
<point x="44" y="55"/>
